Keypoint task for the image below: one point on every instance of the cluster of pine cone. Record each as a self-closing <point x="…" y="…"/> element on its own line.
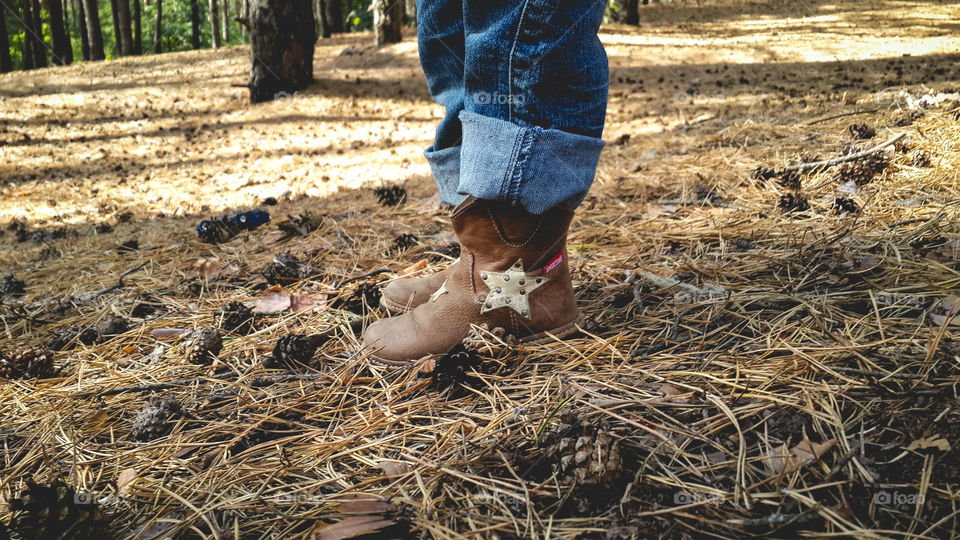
<point x="585" y="451"/>
<point x="28" y="364"/>
<point x="155" y="419"/>
<point x="55" y="511"/>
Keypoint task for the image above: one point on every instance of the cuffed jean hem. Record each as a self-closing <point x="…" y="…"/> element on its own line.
<point x="445" y="165"/>
<point x="531" y="166"/>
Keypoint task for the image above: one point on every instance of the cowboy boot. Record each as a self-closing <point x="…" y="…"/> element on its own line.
<point x="402" y="295"/>
<point x="512" y="274"/>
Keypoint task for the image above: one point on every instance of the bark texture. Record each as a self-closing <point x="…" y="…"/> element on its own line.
<point x="62" y="51"/>
<point x="6" y="64"/>
<point x="333" y="10"/>
<point x="158" y="31"/>
<point x="94" y="34"/>
<point x="195" y="24"/>
<point x="82" y="23"/>
<point x="282" y="37"/>
<point x="387" y="21"/>
<point x="214" y="13"/>
<point x="125" y="39"/>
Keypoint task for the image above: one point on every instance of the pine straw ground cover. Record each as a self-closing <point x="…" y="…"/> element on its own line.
<point x="767" y="353"/>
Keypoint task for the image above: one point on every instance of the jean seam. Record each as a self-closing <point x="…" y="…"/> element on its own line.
<point x="522" y="157"/>
<point x="513" y="52"/>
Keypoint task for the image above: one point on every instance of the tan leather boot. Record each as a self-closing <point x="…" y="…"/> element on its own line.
<point x="402" y="295"/>
<point x="512" y="274"/>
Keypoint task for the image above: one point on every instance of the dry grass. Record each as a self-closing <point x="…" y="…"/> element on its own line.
<point x="832" y="335"/>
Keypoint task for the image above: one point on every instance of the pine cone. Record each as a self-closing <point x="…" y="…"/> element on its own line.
<point x="844" y="205"/>
<point x="443" y="253"/>
<point x="286" y="269"/>
<point x="482" y="340"/>
<point x="28" y="364"/>
<point x="55" y="511"/>
<point x="63" y="338"/>
<point x="236" y="317"/>
<point x="404" y="242"/>
<point x="862" y="171"/>
<point x="203" y="345"/>
<point x="153" y="421"/>
<point x="112" y="326"/>
<point x="862" y="131"/>
<point x="390" y="195"/>
<point x="12" y="286"/>
<point x="585" y="453"/>
<point x="790" y="180"/>
<point x="366" y="294"/>
<point x="292" y="351"/>
<point x="920" y="159"/>
<point x="302" y="224"/>
<point x="793" y="203"/>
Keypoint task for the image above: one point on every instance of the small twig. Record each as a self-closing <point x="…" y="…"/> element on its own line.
<point x="824" y="165"/>
<point x="842" y="462"/>
<point x="362" y="276"/>
<point x="151" y="386"/>
<point x="875" y="373"/>
<point x="90" y="297"/>
<point x="841" y="115"/>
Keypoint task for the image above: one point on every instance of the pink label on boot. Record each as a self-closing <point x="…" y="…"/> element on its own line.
<point x="554" y="262"/>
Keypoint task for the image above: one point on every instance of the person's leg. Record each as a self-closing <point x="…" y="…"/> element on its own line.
<point x="440" y="40"/>
<point x="441" y="44"/>
<point x="535" y="100"/>
<point x="535" y="86"/>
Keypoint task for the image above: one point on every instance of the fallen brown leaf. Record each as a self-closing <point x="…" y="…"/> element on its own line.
<point x="350" y="527"/>
<point x="783" y="461"/>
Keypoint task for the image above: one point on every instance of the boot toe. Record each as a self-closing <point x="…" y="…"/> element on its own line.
<point x="381" y="343"/>
<point x="397" y="296"/>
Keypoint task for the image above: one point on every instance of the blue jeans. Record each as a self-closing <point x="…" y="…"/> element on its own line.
<point x="524" y="84"/>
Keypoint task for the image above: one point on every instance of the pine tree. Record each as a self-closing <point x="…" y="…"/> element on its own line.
<point x="62" y="50"/>
<point x="94" y="34"/>
<point x="6" y="64"/>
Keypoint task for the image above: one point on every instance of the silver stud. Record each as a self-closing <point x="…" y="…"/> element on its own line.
<point x="506" y="277"/>
<point x="483" y="277"/>
<point x="523" y="312"/>
<point x="507" y="300"/>
<point x="522" y="281"/>
<point x="539" y="280"/>
<point x="497" y="290"/>
<point x="522" y="291"/>
<point x="488" y="305"/>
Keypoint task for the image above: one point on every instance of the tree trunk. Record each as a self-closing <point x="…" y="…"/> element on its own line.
<point x="282" y="38"/>
<point x="214" y="24"/>
<point x="632" y="16"/>
<point x="116" y="26"/>
<point x="39" y="47"/>
<point x="62" y="50"/>
<point x="6" y="64"/>
<point x="82" y="23"/>
<point x="321" y="17"/>
<point x="412" y="10"/>
<point x="238" y="8"/>
<point x="125" y="38"/>
<point x="387" y="22"/>
<point x="334" y="13"/>
<point x="158" y="32"/>
<point x="195" y="24"/>
<point x="94" y="35"/>
<point x="137" y="28"/>
<point x="226" y="21"/>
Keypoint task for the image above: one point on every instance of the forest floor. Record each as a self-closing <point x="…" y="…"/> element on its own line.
<point x="766" y="353"/>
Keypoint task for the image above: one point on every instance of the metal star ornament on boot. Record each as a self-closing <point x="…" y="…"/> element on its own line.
<point x="510" y="288"/>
